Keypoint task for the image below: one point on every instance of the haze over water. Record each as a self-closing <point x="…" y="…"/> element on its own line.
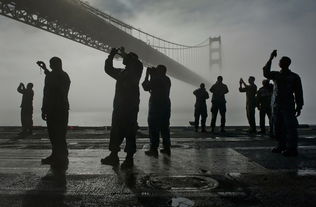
<point x="250" y="30"/>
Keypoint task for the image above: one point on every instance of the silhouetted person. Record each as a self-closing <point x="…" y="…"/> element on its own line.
<point x="55" y="111"/>
<point x="159" y="109"/>
<point x="250" y="91"/>
<point x="218" y="102"/>
<point x="125" y="106"/>
<point x="200" y="107"/>
<point x="26" y="108"/>
<point x="287" y="105"/>
<point x="263" y="102"/>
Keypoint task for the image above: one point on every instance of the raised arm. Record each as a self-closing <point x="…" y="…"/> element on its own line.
<point x="242" y="86"/>
<point x="267" y="73"/>
<point x="146" y="83"/>
<point x="108" y="67"/>
<point x="21" y="88"/>
<point x="42" y="65"/>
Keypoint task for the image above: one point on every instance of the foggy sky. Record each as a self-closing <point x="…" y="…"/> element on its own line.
<point x="250" y="30"/>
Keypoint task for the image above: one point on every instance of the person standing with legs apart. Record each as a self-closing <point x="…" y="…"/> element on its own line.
<point x="55" y="111"/>
<point x="26" y="108"/>
<point x="125" y="106"/>
<point x="263" y="101"/>
<point x="219" y="102"/>
<point x="287" y="104"/>
<point x="159" y="109"/>
<point x="200" y="107"/>
<point x="250" y="91"/>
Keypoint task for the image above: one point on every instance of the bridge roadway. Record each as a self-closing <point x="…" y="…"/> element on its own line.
<point x="229" y="169"/>
<point x="84" y="24"/>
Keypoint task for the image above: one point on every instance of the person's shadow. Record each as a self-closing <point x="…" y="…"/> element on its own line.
<point x="50" y="191"/>
<point x="136" y="181"/>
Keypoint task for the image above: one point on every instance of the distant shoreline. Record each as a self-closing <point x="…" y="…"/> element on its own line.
<point x="301" y="126"/>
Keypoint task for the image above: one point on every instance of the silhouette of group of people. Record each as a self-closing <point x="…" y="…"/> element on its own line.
<point x="219" y="89"/>
<point x="126" y="107"/>
<point x="281" y="102"/>
<point x="55" y="108"/>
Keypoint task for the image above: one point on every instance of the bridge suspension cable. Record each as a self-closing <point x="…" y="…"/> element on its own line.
<point x="80" y="22"/>
<point x="180" y="52"/>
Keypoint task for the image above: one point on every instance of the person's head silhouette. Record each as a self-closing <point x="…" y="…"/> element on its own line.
<point x="265" y="83"/>
<point x="55" y="63"/>
<point x="285" y="62"/>
<point x="130" y="58"/>
<point x="219" y="79"/>
<point x="29" y="86"/>
<point x="251" y="80"/>
<point x="162" y="70"/>
<point x="202" y="86"/>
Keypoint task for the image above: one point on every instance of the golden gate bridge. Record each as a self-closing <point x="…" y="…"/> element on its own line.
<point x="78" y="21"/>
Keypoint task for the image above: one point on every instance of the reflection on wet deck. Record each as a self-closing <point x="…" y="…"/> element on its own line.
<point x="203" y="170"/>
<point x="183" y="161"/>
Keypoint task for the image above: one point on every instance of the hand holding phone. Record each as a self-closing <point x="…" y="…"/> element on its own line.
<point x="274" y="54"/>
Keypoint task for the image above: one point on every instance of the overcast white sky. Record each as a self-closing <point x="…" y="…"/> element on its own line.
<point x="250" y="30"/>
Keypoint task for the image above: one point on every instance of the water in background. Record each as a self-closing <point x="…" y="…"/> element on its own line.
<point x="179" y="117"/>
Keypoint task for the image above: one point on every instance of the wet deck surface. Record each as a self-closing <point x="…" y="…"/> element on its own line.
<point x="229" y="169"/>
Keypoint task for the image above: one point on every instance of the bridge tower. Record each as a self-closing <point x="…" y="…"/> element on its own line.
<point x="80" y="22"/>
<point x="215" y="45"/>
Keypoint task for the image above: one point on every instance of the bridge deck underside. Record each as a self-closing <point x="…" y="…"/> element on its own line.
<point x="70" y="19"/>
